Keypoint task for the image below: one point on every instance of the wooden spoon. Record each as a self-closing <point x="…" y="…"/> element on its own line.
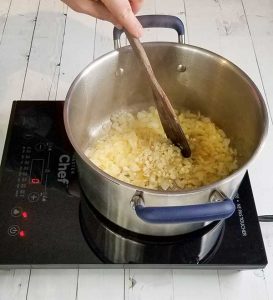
<point x="166" y="112"/>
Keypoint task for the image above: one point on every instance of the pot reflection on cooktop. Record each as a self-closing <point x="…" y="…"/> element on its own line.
<point x="114" y="244"/>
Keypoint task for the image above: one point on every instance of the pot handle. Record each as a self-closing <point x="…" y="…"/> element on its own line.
<point x="155" y="21"/>
<point x="218" y="210"/>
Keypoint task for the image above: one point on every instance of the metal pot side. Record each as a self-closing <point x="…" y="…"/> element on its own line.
<point x="193" y="78"/>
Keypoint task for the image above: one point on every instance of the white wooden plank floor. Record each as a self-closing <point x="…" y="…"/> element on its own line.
<point x="44" y="45"/>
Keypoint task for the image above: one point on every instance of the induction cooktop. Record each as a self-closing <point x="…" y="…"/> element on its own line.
<point x="46" y="221"/>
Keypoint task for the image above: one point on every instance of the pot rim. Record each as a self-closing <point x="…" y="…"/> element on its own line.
<point x="211" y="186"/>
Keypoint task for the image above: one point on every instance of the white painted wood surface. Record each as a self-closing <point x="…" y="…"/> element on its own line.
<point x="14" y="284"/>
<point x="43" y="46"/>
<point x="52" y="284"/>
<point x="14" y="50"/>
<point x="78" y="42"/>
<point x="46" y="49"/>
<point x="101" y="284"/>
<point x="4" y="11"/>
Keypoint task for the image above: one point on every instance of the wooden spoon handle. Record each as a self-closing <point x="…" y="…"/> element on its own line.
<point x="167" y="114"/>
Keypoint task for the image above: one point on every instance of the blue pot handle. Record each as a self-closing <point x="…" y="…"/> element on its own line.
<point x="184" y="214"/>
<point x="155" y="21"/>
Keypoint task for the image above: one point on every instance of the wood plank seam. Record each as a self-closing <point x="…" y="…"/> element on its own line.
<point x="77" y="286"/>
<point x="173" y="293"/>
<point x="60" y="61"/>
<point x="95" y="35"/>
<point x="29" y="53"/>
<point x="5" y="23"/>
<point x="220" y="284"/>
<point x="28" y="283"/>
<point x="186" y="21"/>
<point x="255" y="53"/>
<point x="265" y="283"/>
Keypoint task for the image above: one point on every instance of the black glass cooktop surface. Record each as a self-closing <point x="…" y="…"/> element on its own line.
<point x="47" y="222"/>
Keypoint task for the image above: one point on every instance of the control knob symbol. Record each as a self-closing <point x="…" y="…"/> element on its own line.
<point x="40" y="147"/>
<point x="13" y="230"/>
<point x="44" y="198"/>
<point x="28" y="135"/>
<point x="33" y="197"/>
<point x="49" y="146"/>
<point x="16" y="212"/>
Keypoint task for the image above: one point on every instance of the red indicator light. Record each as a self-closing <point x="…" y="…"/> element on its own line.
<point x="24" y="214"/>
<point x="22" y="233"/>
<point x="35" y="181"/>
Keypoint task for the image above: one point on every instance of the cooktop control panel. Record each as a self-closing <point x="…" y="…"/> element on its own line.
<point x="37" y="169"/>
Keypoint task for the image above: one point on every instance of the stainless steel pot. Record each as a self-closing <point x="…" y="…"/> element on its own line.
<point x="193" y="78"/>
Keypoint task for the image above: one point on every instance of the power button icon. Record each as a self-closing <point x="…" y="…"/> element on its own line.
<point x="13" y="230"/>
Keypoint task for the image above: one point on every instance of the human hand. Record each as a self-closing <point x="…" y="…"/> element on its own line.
<point x="119" y="12"/>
